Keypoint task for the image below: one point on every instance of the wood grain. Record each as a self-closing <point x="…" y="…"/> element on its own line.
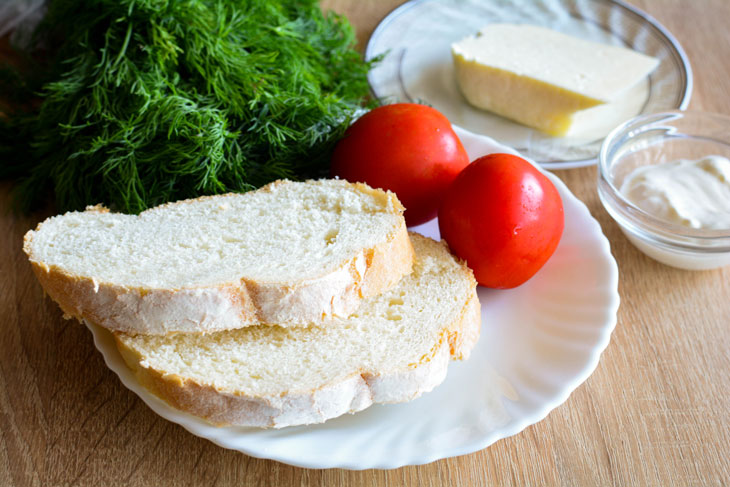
<point x="655" y="412"/>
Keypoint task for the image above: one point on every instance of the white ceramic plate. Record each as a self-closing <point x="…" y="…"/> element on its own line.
<point x="416" y="38"/>
<point x="538" y="343"/>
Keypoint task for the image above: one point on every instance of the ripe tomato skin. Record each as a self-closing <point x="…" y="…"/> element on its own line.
<point x="409" y="149"/>
<point x="504" y="217"/>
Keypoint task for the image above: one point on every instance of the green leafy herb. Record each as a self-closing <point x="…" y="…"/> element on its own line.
<point x="148" y="101"/>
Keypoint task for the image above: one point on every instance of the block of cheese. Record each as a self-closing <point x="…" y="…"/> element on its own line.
<point x="540" y="77"/>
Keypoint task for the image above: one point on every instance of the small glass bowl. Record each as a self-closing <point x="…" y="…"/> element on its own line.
<point x="653" y="139"/>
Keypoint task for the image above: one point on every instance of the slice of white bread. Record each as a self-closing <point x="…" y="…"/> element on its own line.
<point x="396" y="347"/>
<point x="289" y="253"/>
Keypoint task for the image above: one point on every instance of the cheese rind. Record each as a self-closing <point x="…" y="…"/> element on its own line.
<point x="540" y="77"/>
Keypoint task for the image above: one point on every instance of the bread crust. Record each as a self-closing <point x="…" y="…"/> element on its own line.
<point x="138" y="310"/>
<point x="350" y="394"/>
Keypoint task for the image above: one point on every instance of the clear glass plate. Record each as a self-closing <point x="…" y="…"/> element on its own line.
<point x="416" y="38"/>
<point x="538" y="343"/>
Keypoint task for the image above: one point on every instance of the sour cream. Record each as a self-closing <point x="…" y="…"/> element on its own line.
<point x="695" y="194"/>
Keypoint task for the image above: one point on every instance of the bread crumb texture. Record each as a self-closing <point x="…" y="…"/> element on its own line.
<point x="284" y="232"/>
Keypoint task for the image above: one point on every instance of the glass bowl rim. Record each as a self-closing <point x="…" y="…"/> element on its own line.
<point x="641" y="223"/>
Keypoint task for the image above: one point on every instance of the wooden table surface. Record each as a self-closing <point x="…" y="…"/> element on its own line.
<point x="655" y="412"/>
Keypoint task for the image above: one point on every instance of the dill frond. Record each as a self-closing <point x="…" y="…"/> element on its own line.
<point x="147" y="101"/>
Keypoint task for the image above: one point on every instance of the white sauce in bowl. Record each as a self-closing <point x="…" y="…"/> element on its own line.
<point x="695" y="194"/>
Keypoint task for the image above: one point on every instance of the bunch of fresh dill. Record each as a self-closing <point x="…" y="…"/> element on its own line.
<point x="140" y="102"/>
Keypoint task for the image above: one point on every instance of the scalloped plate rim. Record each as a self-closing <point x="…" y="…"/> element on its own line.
<point x="104" y="342"/>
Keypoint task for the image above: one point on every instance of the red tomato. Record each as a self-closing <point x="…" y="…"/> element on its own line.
<point x="407" y="148"/>
<point x="504" y="217"/>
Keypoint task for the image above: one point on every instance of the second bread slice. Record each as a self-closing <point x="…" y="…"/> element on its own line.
<point x="289" y="253"/>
